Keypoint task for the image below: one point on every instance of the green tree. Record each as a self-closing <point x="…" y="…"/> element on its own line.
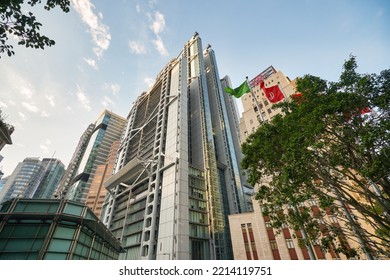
<point x="24" y="25"/>
<point x="330" y="144"/>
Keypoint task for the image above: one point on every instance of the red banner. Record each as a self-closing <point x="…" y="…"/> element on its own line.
<point x="273" y="93"/>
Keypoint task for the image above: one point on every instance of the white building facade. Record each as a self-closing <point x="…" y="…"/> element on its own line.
<point x="177" y="175"/>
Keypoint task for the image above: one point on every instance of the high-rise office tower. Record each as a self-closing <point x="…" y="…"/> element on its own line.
<point x="3" y="181"/>
<point x="54" y="170"/>
<point x="24" y="179"/>
<point x="97" y="192"/>
<point x="33" y="178"/>
<point x="74" y="163"/>
<point x="108" y="129"/>
<point x="177" y="176"/>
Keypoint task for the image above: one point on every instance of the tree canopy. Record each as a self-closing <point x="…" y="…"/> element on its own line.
<point x="23" y="26"/>
<point x="330" y="145"/>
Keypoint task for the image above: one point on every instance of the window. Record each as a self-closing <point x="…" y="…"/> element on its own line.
<point x="59" y="245"/>
<point x="73" y="209"/>
<point x="197" y="217"/>
<point x="64" y="232"/>
<point x="274" y="245"/>
<point x="55" y="256"/>
<point x="290" y="243"/>
<point x="249" y="243"/>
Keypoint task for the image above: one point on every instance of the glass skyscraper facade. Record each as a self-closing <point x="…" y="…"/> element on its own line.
<point x="33" y="178"/>
<point x="108" y="128"/>
<point x="74" y="163"/>
<point x="54" y="171"/>
<point x="177" y="175"/>
<point x="53" y="229"/>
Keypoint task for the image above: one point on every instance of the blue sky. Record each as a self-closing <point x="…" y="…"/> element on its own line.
<point x="108" y="52"/>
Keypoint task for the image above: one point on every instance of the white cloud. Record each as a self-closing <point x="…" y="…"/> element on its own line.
<point x="100" y="32"/>
<point x="113" y="88"/>
<point x="22" y="116"/>
<point x="157" y="23"/>
<point x="30" y="107"/>
<point x="91" y="62"/>
<point x="50" y="98"/>
<point x="3" y="105"/>
<point x="45" y="146"/>
<point x="107" y="102"/>
<point x="27" y="92"/>
<point x="45" y="114"/>
<point x="138" y="8"/>
<point x="47" y="141"/>
<point x="137" y="47"/>
<point x="152" y="3"/>
<point x="83" y="99"/>
<point x="45" y="149"/>
<point x="149" y="81"/>
<point x="159" y="44"/>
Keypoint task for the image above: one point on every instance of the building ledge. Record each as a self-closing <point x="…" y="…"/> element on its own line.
<point x="130" y="171"/>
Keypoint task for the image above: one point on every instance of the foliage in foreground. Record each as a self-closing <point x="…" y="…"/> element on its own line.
<point x="331" y="145"/>
<point x="16" y="23"/>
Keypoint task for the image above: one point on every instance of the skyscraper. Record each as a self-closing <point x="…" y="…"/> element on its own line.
<point x="33" y="178"/>
<point x="74" y="163"/>
<point x="177" y="175"/>
<point x="3" y="181"/>
<point x="97" y="192"/>
<point x="108" y="128"/>
<point x="54" y="170"/>
<point x="24" y="180"/>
